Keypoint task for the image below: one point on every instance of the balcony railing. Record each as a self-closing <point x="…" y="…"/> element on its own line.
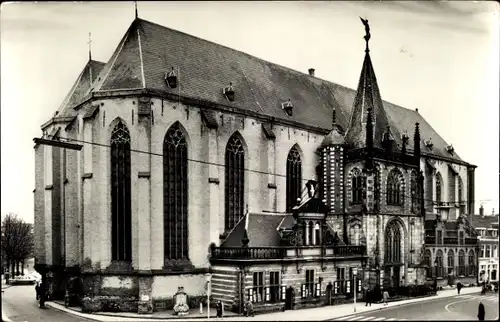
<point x="240" y="253"/>
<point x="431" y="240"/>
<point x="470" y="241"/>
<point x="395" y="155"/>
<point x="450" y="241"/>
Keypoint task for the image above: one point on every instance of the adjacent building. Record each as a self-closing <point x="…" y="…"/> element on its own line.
<point x="487" y="230"/>
<point x="203" y="167"/>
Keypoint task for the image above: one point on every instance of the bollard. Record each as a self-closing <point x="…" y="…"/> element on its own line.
<point x="201" y="308"/>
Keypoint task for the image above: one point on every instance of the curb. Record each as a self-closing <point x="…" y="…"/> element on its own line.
<point x="70" y="311"/>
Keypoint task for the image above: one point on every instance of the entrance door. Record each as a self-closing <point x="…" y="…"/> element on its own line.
<point x="289" y="298"/>
<point x="396" y="277"/>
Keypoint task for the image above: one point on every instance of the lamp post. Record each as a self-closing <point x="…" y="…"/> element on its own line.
<point x="354" y="273"/>
<point x="435" y="275"/>
<point x="208" y="277"/>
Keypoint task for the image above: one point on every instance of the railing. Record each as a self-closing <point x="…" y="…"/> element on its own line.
<point x="470" y="241"/>
<point x="280" y="252"/>
<point x="394" y="155"/>
<point x="430" y="240"/>
<point x="450" y="241"/>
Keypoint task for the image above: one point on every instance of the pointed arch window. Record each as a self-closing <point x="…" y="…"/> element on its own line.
<point x="461" y="263"/>
<point x="472" y="263"/>
<point x="394" y="188"/>
<point x="293" y="178"/>
<point x="175" y="194"/>
<point x="413" y="187"/>
<point x="451" y="261"/>
<point x="234" y="181"/>
<point x="439" y="263"/>
<point x="357" y="185"/>
<point x="427" y="261"/>
<point x="460" y="196"/>
<point x="439" y="182"/>
<point x="121" y="214"/>
<point x="393" y="243"/>
<point x="355" y="234"/>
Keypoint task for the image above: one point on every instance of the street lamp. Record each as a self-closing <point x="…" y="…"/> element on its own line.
<point x="435" y="275"/>
<point x="355" y="286"/>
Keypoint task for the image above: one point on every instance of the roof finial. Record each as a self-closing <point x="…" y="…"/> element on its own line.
<point x="90" y="46"/>
<point x="367" y="30"/>
<point x="334" y="117"/>
<point x="136" y="14"/>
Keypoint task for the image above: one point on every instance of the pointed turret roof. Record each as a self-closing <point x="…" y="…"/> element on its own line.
<point x="80" y="88"/>
<point x="367" y="96"/>
<point x="335" y="137"/>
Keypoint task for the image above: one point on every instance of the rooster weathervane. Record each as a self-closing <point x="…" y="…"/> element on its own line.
<point x="367" y="30"/>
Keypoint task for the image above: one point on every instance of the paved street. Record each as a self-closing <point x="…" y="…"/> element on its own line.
<point x="460" y="307"/>
<point x="19" y="304"/>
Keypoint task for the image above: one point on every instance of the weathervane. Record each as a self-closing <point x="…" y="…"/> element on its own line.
<point x="367" y="30"/>
<point x="90" y="46"/>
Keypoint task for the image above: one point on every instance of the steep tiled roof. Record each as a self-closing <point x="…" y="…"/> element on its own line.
<point x="485" y="222"/>
<point x="203" y="68"/>
<point x="262" y="231"/>
<point x="81" y="87"/>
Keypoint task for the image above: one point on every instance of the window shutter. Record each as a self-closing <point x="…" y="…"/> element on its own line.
<point x="267" y="294"/>
<point x="359" y="286"/>
<point x="303" y="290"/>
<point x="348" y="286"/>
<point x="336" y="287"/>
<point x="318" y="290"/>
<point x="283" y="292"/>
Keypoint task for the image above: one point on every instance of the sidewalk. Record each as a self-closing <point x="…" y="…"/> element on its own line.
<point x="311" y="314"/>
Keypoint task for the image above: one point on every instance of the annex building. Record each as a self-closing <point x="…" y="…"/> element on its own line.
<point x="202" y="163"/>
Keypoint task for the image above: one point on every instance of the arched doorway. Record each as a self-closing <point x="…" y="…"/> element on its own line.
<point x="393" y="259"/>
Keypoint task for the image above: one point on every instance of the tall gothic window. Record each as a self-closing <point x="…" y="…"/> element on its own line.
<point x="175" y="194"/>
<point x="451" y="261"/>
<point x="439" y="182"/>
<point x="461" y="263"/>
<point x="427" y="261"/>
<point x="293" y="178"/>
<point x="394" y="188"/>
<point x="439" y="262"/>
<point x="413" y="187"/>
<point x="393" y="243"/>
<point x="460" y="196"/>
<point x="472" y="262"/>
<point x="355" y="234"/>
<point x="121" y="214"/>
<point x="357" y="181"/>
<point x="235" y="176"/>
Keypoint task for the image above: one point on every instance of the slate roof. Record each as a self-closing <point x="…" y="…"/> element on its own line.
<point x="262" y="231"/>
<point x="203" y="68"/>
<point x="485" y="222"/>
<point x="80" y="88"/>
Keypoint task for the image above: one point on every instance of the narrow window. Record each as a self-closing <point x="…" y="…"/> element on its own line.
<point x="293" y="178"/>
<point x="175" y="194"/>
<point x="234" y="183"/>
<point x="258" y="286"/>
<point x="121" y="214"/>
<point x="461" y="263"/>
<point x="438" y="189"/>
<point x="275" y="286"/>
<point x="451" y="261"/>
<point x="309" y="283"/>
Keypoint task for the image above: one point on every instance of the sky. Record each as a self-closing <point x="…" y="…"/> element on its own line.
<point x="439" y="57"/>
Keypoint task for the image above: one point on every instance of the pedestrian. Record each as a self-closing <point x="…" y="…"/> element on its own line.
<point x="219" y="309"/>
<point x="369" y="297"/>
<point x="459" y="287"/>
<point x="37" y="290"/>
<point x="480" y="312"/>
<point x="249" y="308"/>
<point x="385" y="297"/>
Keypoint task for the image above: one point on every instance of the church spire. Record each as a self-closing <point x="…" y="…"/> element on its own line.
<point x="136" y="14"/>
<point x="334" y="118"/>
<point x="367" y="97"/>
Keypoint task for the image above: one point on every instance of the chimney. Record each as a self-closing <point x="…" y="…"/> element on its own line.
<point x="481" y="211"/>
<point x="311" y="71"/>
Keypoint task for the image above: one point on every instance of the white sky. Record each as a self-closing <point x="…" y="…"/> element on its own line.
<point x="439" y="57"/>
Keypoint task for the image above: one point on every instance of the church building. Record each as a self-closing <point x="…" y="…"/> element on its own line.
<point x="206" y="169"/>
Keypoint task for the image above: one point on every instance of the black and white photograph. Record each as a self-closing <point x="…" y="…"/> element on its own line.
<point x="249" y="160"/>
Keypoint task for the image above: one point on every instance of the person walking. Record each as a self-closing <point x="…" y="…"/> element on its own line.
<point x="385" y="297"/>
<point x="369" y="297"/>
<point x="480" y="311"/>
<point x="459" y="287"/>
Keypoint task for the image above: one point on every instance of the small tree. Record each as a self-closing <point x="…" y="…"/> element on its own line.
<point x="17" y="241"/>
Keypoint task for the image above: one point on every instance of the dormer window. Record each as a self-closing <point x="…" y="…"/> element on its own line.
<point x="450" y="149"/>
<point x="171" y="78"/>
<point x="429" y="144"/>
<point x="287" y="107"/>
<point x="229" y="92"/>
